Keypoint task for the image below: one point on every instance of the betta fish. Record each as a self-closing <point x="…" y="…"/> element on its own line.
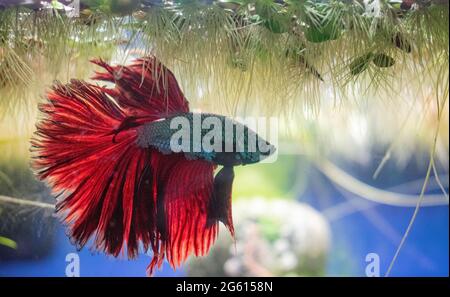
<point x="106" y="151"/>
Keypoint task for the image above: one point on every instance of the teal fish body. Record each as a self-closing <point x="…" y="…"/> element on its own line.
<point x="207" y="136"/>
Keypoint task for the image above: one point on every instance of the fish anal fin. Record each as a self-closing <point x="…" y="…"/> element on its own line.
<point x="220" y="206"/>
<point x="187" y="192"/>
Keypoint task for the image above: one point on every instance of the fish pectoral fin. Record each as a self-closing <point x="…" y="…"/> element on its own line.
<point x="220" y="204"/>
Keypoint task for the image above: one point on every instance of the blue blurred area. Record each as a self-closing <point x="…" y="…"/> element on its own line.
<point x="378" y="229"/>
<point x="358" y="226"/>
<point x="91" y="263"/>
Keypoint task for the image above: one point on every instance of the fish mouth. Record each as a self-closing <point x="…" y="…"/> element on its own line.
<point x="270" y="151"/>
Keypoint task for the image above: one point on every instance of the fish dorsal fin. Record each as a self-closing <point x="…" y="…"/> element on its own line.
<point x="145" y="88"/>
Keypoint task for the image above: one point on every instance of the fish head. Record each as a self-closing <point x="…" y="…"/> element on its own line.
<point x="253" y="154"/>
<point x="248" y="146"/>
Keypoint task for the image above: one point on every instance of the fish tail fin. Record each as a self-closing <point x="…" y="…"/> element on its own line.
<point x="97" y="172"/>
<point x="85" y="148"/>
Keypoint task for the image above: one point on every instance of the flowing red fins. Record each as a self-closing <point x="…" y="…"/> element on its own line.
<point x="146" y="88"/>
<point x="183" y="202"/>
<point x="113" y="190"/>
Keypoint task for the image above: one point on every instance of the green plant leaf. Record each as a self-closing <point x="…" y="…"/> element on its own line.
<point x="254" y="19"/>
<point x="277" y="24"/>
<point x="8" y="242"/>
<point x="95" y="4"/>
<point x="383" y="60"/>
<point x="273" y="15"/>
<point x="360" y="64"/>
<point x="323" y="25"/>
<point x="322" y="33"/>
<point x="402" y="43"/>
<point x="57" y="5"/>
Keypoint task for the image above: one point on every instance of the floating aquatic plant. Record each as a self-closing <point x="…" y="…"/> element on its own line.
<point x="225" y="44"/>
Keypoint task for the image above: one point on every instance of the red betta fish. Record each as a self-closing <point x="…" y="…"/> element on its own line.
<point x="108" y="152"/>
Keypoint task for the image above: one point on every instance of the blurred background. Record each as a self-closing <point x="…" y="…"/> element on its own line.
<point x="354" y="153"/>
<point x="290" y="217"/>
